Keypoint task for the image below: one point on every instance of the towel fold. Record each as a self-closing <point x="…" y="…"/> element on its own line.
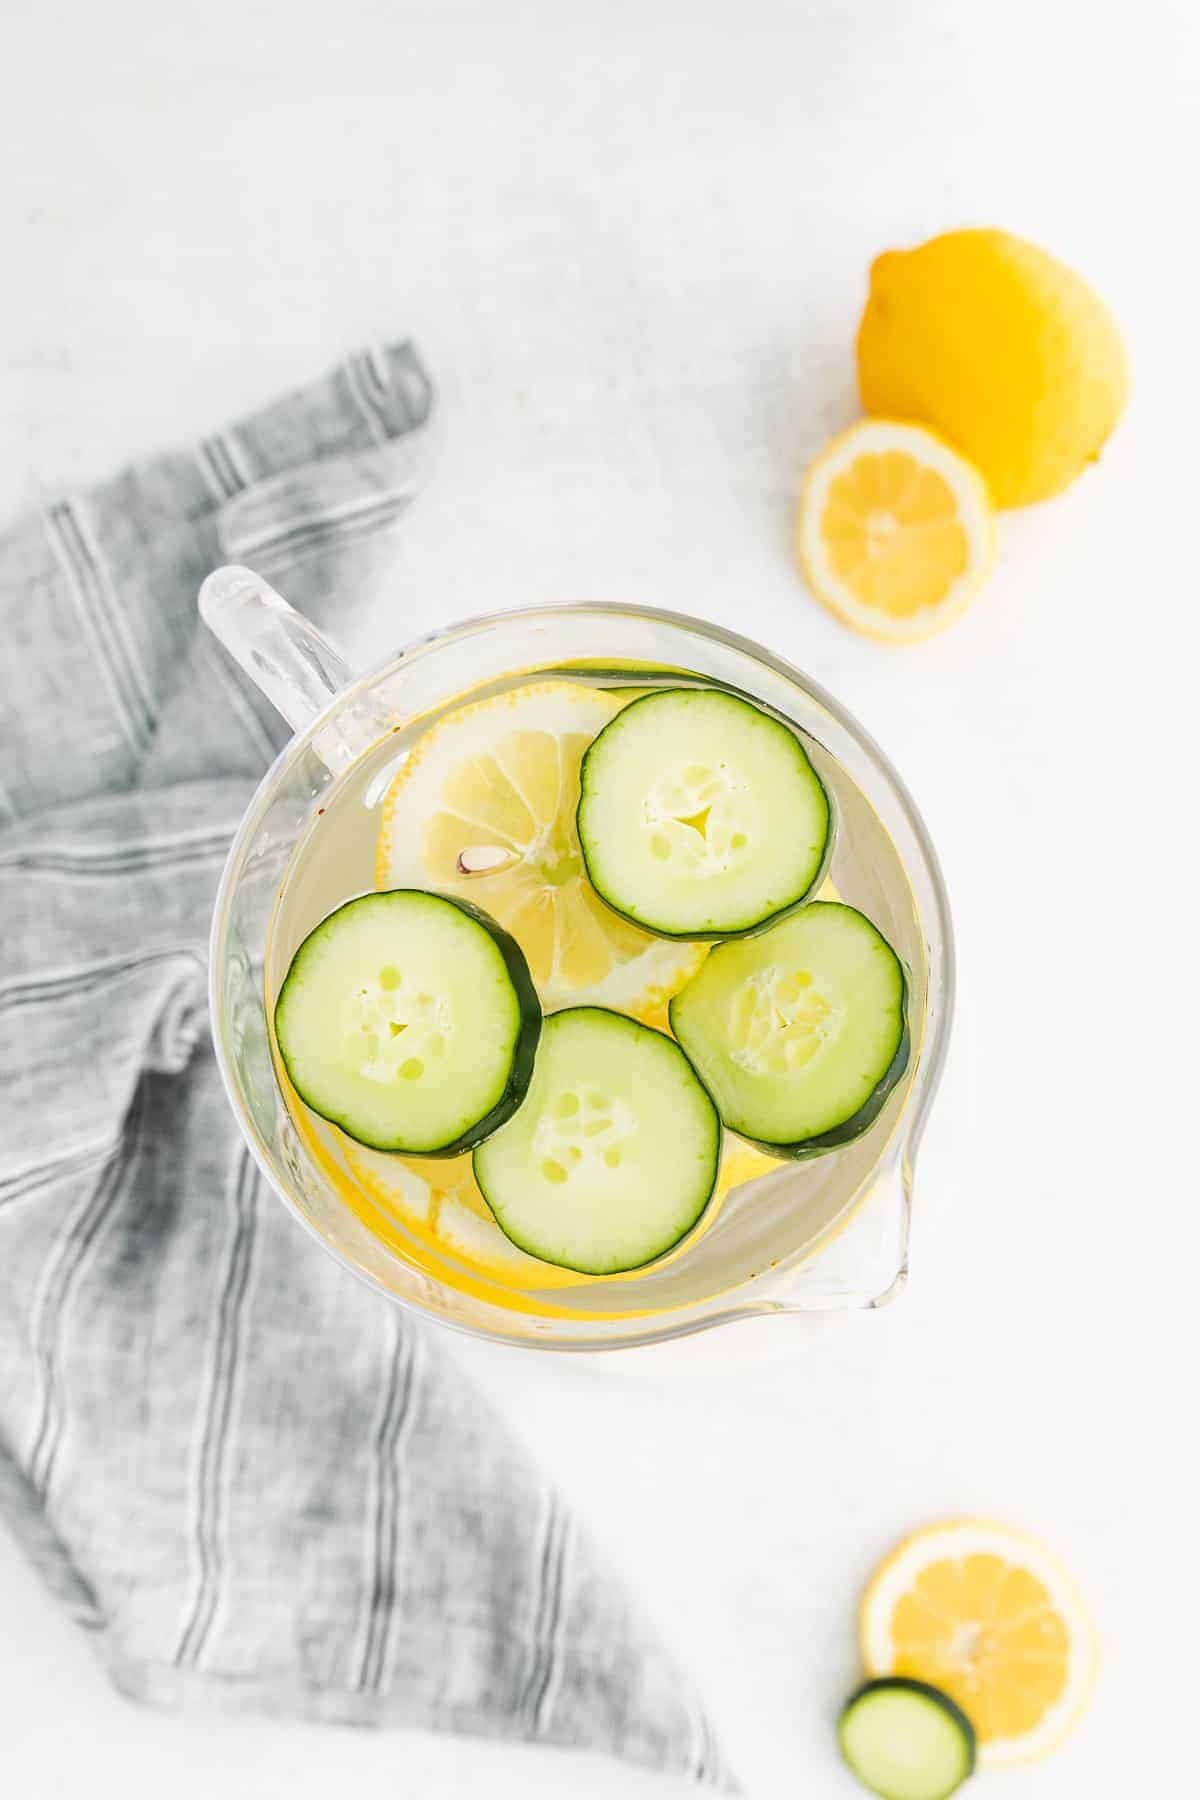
<point x="251" y="1479"/>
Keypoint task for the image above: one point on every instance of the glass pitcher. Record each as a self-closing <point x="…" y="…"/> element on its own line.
<point x="808" y="1238"/>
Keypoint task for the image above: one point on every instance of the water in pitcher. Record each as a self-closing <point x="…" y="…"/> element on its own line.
<point x="429" y="806"/>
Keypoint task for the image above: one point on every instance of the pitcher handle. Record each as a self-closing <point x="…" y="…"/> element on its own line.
<point x="289" y="661"/>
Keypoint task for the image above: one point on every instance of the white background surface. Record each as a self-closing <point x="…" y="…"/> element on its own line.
<point x="632" y="243"/>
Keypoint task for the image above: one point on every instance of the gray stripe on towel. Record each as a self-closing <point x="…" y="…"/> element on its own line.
<point x="209" y="1503"/>
<point x="61" y="1275"/>
<point x="384" y="1533"/>
<point x="104" y="620"/>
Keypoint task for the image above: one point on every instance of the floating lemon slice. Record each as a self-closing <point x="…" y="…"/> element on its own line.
<point x="439" y="1200"/>
<point x="484" y="808"/>
<point x="896" y="531"/>
<point x="742" y="1162"/>
<point x="988" y="1616"/>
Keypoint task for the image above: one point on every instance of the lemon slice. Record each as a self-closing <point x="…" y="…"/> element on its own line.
<point x="439" y="1200"/>
<point x="484" y="807"/>
<point x="742" y="1162"/>
<point x="987" y="1615"/>
<point x="896" y="532"/>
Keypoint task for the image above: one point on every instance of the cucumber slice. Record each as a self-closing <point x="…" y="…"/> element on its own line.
<point x="410" y="1021"/>
<point x="799" y="1034"/>
<point x="700" y="816"/>
<point x="906" y="1740"/>
<point x="613" y="1155"/>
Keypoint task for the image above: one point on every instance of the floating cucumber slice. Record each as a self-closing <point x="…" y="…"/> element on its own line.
<point x="613" y="1154"/>
<point x="906" y="1740"/>
<point x="799" y="1034"/>
<point x="409" y="1020"/>
<point x="700" y="816"/>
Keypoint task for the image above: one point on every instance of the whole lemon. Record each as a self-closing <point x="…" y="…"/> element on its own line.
<point x="1001" y="348"/>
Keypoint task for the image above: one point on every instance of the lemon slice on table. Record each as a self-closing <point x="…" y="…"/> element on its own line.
<point x="988" y="1616"/>
<point x="484" y="808"/>
<point x="896" y="532"/>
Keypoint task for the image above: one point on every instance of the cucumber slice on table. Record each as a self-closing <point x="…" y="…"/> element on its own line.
<point x="799" y="1034"/>
<point x="410" y="1021"/>
<point x="613" y="1155"/>
<point x="906" y="1740"/>
<point x="700" y="816"/>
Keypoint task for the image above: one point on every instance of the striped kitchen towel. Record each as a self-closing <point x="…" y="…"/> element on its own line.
<point x="249" y="1478"/>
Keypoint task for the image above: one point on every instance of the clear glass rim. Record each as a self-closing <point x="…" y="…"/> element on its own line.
<point x="925" y="1086"/>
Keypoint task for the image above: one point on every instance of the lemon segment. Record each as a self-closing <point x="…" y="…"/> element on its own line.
<point x="988" y="1616"/>
<point x="895" y="532"/>
<point x="484" y="808"/>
